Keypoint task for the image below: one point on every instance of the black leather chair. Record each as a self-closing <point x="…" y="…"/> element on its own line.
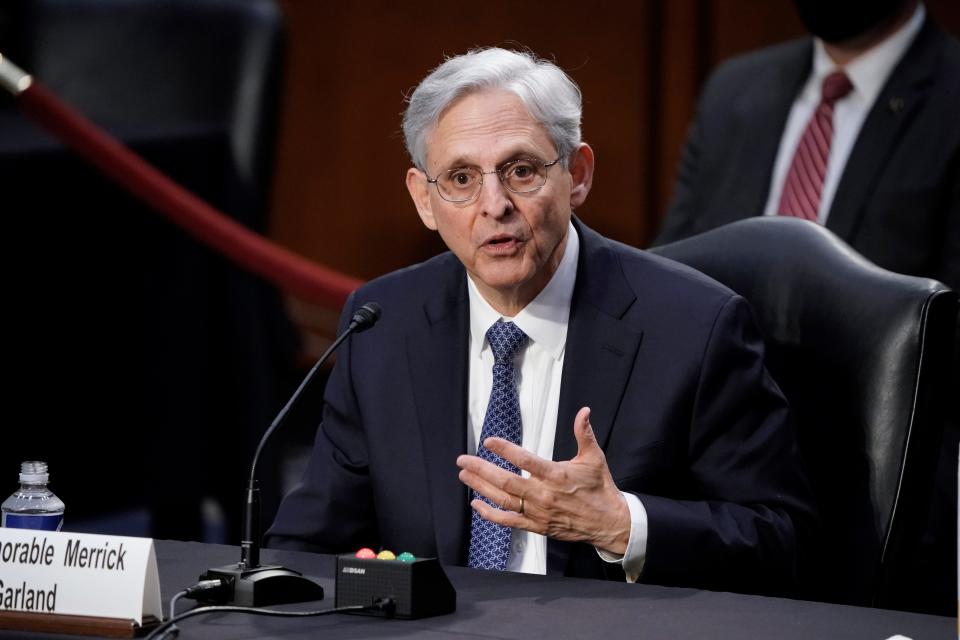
<point x="150" y="68"/>
<point x="190" y="350"/>
<point x="863" y="355"/>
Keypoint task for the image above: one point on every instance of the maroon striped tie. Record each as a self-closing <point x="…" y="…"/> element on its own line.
<point x="804" y="183"/>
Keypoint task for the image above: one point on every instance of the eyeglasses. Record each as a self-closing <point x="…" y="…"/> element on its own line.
<point x="462" y="184"/>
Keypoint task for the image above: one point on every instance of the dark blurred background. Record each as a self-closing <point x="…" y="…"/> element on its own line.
<point x="142" y="366"/>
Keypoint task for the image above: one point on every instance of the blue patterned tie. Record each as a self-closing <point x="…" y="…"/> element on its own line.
<point x="490" y="542"/>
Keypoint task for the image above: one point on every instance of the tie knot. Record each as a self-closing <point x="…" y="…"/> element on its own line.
<point x="835" y="86"/>
<point x="505" y="340"/>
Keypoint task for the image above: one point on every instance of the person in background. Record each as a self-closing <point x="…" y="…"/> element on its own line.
<point x="854" y="128"/>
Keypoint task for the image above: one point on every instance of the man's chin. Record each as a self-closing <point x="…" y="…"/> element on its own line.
<point x="504" y="277"/>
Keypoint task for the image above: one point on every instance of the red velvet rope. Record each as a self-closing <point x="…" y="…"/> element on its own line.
<point x="251" y="251"/>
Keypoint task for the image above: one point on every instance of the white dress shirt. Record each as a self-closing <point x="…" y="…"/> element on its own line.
<point x="539" y="367"/>
<point x="868" y="73"/>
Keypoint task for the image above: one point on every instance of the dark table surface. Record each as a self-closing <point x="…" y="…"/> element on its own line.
<point x="527" y="607"/>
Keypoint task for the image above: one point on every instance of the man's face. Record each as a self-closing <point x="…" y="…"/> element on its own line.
<point x="510" y="243"/>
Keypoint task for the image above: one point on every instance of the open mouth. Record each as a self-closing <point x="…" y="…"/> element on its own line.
<point x="502" y="244"/>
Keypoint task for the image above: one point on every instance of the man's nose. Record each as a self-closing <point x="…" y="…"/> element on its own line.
<point x="494" y="199"/>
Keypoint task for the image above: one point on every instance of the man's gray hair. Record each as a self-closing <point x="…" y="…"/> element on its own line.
<point x="548" y="93"/>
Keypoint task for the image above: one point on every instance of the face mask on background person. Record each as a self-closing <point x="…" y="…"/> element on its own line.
<point x="835" y="21"/>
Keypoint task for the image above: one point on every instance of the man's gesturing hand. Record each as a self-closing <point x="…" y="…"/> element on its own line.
<point x="575" y="500"/>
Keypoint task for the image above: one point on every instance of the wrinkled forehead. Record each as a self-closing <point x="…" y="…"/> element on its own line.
<point x="485" y="125"/>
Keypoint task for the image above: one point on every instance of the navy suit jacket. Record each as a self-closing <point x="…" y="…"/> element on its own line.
<point x="672" y="367"/>
<point x="898" y="200"/>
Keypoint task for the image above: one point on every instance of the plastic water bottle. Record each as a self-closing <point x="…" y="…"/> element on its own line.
<point x="33" y="506"/>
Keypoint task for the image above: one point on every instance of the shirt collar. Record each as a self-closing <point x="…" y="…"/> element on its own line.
<point x="545" y="319"/>
<point x="869" y="71"/>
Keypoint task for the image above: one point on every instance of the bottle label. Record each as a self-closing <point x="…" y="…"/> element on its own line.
<point x="51" y="522"/>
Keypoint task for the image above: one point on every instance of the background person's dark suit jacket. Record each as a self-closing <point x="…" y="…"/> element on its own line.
<point x="898" y="200"/>
<point x="672" y="367"/>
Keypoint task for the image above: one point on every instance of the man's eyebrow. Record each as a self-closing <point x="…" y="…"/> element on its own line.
<point x="519" y="154"/>
<point x="459" y="162"/>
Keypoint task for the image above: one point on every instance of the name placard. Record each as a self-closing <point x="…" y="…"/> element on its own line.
<point x="81" y="574"/>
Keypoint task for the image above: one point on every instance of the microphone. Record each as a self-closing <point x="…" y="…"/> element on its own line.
<point x="248" y="583"/>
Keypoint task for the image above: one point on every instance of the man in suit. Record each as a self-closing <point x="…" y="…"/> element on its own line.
<point x="623" y="422"/>
<point x="890" y="187"/>
<point x="892" y="183"/>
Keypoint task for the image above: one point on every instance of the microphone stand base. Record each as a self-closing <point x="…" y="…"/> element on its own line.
<point x="261" y="586"/>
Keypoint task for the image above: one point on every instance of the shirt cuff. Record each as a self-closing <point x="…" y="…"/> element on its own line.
<point x="636" y="553"/>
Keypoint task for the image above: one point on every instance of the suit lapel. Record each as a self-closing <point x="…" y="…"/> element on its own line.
<point x="762" y="113"/>
<point x="766" y="117"/>
<point x="895" y="107"/>
<point x="600" y="354"/>
<point x="437" y="354"/>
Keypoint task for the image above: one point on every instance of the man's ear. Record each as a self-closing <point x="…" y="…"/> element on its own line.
<point x="581" y="173"/>
<point x="419" y="190"/>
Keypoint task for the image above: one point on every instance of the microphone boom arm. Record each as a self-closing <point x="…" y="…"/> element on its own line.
<point x="252" y="584"/>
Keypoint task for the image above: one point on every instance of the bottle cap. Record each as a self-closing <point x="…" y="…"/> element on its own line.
<point x="34" y="472"/>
